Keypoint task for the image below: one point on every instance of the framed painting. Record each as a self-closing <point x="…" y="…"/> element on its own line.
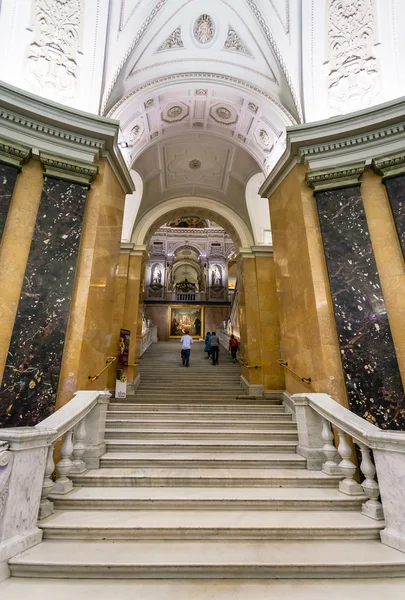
<point x="182" y="318"/>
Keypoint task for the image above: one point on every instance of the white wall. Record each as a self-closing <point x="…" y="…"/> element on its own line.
<point x="258" y="209"/>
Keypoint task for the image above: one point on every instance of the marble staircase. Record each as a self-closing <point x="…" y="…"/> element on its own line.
<point x="200" y="481"/>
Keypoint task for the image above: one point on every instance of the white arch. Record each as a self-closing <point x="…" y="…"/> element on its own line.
<point x="258" y="209"/>
<point x="234" y="225"/>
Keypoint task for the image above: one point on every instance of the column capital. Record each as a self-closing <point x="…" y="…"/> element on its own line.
<point x="263" y="251"/>
<point x="64" y="168"/>
<point x="12" y="153"/>
<point x="139" y="251"/>
<point x="244" y="253"/>
<point x="126" y="247"/>
<point x="390" y="165"/>
<point x="337" y="177"/>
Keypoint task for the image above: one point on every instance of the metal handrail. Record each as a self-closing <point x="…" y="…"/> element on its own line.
<point x="245" y="364"/>
<point x="284" y="364"/>
<point x="109" y="361"/>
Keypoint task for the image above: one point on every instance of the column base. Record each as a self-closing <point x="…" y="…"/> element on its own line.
<point x="93" y="454"/>
<point x="315" y="457"/>
<point x="45" y="509"/>
<point x="252" y="389"/>
<point x="350" y="487"/>
<point x="19" y="543"/>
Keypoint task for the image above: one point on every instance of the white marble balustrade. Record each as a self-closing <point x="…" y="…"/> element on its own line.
<point x="318" y="416"/>
<point x="27" y="465"/>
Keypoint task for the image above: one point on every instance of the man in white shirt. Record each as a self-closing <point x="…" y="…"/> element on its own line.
<point x="186" y="342"/>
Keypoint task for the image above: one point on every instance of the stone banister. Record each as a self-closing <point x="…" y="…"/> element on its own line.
<point x="27" y="467"/>
<point x="382" y="459"/>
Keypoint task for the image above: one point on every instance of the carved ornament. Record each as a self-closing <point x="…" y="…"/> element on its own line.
<point x="62" y="168"/>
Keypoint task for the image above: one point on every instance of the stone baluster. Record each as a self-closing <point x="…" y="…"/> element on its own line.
<point x="46" y="506"/>
<point x="373" y="507"/>
<point x="330" y="466"/>
<point x="79" y="448"/>
<point x="347" y="468"/>
<point x="64" y="466"/>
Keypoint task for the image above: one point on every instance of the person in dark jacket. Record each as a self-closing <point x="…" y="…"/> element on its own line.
<point x="214" y="343"/>
<point x="207" y="347"/>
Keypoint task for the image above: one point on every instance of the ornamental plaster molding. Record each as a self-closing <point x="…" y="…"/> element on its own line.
<point x="327" y="179"/>
<point x="234" y="43"/>
<point x="390" y="166"/>
<point x="174" y="40"/>
<point x="52" y="56"/>
<point x="13" y="154"/>
<point x="47" y="127"/>
<point x="266" y="30"/>
<point x="200" y="77"/>
<point x="56" y="166"/>
<point x="353" y="74"/>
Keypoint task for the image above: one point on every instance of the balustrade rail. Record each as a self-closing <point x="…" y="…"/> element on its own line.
<point x="382" y="459"/>
<point x="148" y="338"/>
<point x="27" y="466"/>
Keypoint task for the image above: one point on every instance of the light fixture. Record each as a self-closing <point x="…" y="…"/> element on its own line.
<point x="123" y="144"/>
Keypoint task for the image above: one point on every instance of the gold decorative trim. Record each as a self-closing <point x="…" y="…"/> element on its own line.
<point x="13" y="154"/>
<point x="62" y="168"/>
<point x="389" y="166"/>
<point x="328" y="179"/>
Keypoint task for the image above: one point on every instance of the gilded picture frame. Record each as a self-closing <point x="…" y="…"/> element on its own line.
<point x="182" y="317"/>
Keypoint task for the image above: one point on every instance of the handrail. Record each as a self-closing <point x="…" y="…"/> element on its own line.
<point x="109" y="361"/>
<point x="245" y="364"/>
<point x="284" y="364"/>
<point x="67" y="416"/>
<point x="357" y="427"/>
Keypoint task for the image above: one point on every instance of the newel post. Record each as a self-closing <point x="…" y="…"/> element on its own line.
<point x="95" y="428"/>
<point x="309" y="424"/>
<point x="23" y="459"/>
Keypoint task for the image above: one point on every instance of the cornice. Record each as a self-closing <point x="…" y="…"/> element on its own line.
<point x="390" y="166"/>
<point x="327" y="179"/>
<point x="54" y="129"/>
<point x="79" y="172"/>
<point x="12" y="153"/>
<point x="336" y="142"/>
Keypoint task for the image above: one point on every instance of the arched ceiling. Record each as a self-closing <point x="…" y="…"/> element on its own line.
<point x="214" y="67"/>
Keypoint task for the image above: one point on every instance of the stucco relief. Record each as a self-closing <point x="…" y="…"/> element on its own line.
<point x="234" y="42"/>
<point x="204" y="29"/>
<point x="173" y="41"/>
<point x="52" y="57"/>
<point x="353" y="73"/>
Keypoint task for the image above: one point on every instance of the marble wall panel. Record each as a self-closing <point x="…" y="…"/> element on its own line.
<point x="370" y="364"/>
<point x="8" y="175"/>
<point x="31" y="376"/>
<point x="396" y="193"/>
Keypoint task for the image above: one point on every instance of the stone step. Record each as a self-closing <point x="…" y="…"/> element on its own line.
<point x="200" y="446"/>
<point x="192" y="408"/>
<point x="192" y="424"/>
<point x="15" y="588"/>
<point x="201" y="525"/>
<point x="221" y="498"/>
<point x="203" y="459"/>
<point x="201" y="434"/>
<point x="205" y="477"/>
<point x="172" y="398"/>
<point x="209" y="559"/>
<point x="194" y="416"/>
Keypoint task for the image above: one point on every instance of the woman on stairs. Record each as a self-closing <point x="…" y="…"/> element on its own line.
<point x="207" y="347"/>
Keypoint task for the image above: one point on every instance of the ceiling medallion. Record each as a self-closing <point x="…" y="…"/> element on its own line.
<point x="194" y="164"/>
<point x="204" y="29"/>
<point x="223" y="113"/>
<point x="198" y="124"/>
<point x="135" y="134"/>
<point x="174" y="111"/>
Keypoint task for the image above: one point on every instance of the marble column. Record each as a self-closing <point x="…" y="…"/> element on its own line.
<point x="16" y="238"/>
<point x="272" y="375"/>
<point x="133" y="310"/>
<point x="308" y="331"/>
<point x="31" y="374"/>
<point x="387" y="230"/>
<point x="369" y="361"/>
<point x="249" y="324"/>
<point x="12" y="156"/>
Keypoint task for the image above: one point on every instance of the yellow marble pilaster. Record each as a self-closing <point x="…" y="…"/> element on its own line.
<point x="15" y="247"/>
<point x="272" y="374"/>
<point x="308" y="331"/>
<point x="90" y="331"/>
<point x="131" y="312"/>
<point x="249" y="319"/>
<point x="388" y="256"/>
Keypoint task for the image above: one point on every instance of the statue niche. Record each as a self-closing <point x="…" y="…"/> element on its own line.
<point x="156" y="286"/>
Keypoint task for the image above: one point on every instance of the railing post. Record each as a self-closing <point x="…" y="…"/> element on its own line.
<point x="46" y="506"/>
<point x="95" y="428"/>
<point x="79" y="448"/>
<point x="347" y="467"/>
<point x="373" y="507"/>
<point x="64" y="466"/>
<point x="330" y="466"/>
<point x="23" y="457"/>
<point x="309" y="424"/>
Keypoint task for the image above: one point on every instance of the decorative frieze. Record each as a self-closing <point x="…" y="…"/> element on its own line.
<point x="12" y="153"/>
<point x="353" y="76"/>
<point x="344" y="176"/>
<point x="61" y="168"/>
